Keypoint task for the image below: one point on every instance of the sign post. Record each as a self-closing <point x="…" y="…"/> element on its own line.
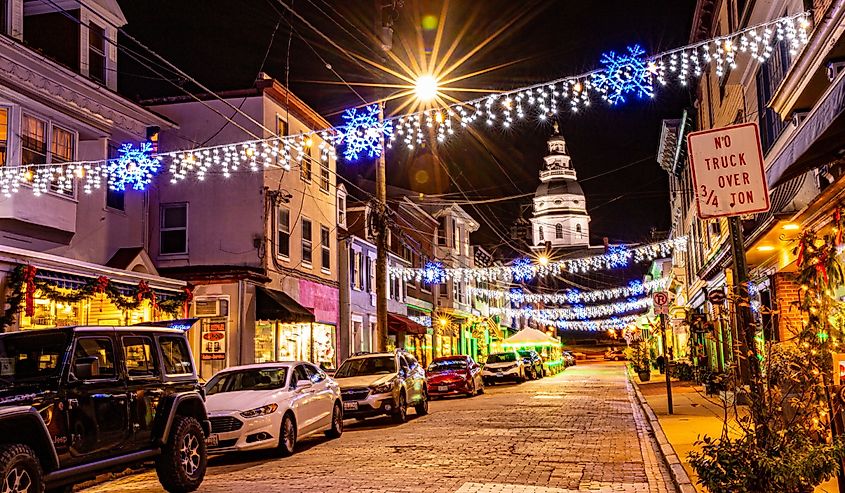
<point x="730" y="180"/>
<point x="661" y="307"/>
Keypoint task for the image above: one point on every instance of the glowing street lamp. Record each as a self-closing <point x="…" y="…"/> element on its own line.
<point x="425" y="88"/>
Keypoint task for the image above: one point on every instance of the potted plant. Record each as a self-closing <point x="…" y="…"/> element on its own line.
<point x="639" y="361"/>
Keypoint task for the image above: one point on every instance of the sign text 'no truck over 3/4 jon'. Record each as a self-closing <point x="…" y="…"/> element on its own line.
<point x="727" y="171"/>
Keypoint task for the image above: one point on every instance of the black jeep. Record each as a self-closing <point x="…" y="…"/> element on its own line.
<point x="79" y="401"/>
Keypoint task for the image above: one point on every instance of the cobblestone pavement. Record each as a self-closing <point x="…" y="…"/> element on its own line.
<point x="577" y="431"/>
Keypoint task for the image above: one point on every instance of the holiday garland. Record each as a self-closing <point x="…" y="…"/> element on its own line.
<point x="23" y="284"/>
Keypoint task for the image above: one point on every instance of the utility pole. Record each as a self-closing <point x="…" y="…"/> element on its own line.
<point x="667" y="363"/>
<point x="384" y="31"/>
<point x="748" y="364"/>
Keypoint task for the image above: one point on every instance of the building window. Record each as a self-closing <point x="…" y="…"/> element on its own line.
<point x="4" y="130"/>
<point x="96" y="53"/>
<point x="324" y="176"/>
<point x="356" y="270"/>
<point x="174" y="229"/>
<point x="456" y="235"/>
<point x="325" y="248"/>
<point x="4" y="16"/>
<point x="283" y="232"/>
<point x="769" y="78"/>
<point x="371" y="274"/>
<point x="115" y="199"/>
<point x="33" y="140"/>
<point x="578" y="228"/>
<point x="305" y="168"/>
<point x="281" y="127"/>
<point x="559" y="231"/>
<point x="306" y="242"/>
<point x="341" y="209"/>
<point x="540" y="233"/>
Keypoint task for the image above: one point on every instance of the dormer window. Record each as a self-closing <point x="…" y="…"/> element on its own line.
<point x="96" y="53"/>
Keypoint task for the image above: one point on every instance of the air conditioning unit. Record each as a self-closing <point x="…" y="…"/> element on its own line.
<point x="207" y="307"/>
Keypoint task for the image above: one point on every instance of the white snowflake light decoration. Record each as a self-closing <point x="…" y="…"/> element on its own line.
<point x="363" y="132"/>
<point x="134" y="167"/>
<point x="624" y="74"/>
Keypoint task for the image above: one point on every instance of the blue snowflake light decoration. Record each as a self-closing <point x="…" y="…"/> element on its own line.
<point x="134" y="167"/>
<point x="434" y="273"/>
<point x="362" y="132"/>
<point x="522" y="269"/>
<point x="624" y="74"/>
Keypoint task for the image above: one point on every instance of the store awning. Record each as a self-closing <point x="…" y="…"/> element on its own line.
<point x="531" y="337"/>
<point x="401" y="323"/>
<point x="817" y="141"/>
<point x="272" y="304"/>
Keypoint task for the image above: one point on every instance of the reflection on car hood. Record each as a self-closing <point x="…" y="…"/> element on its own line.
<point x="244" y="400"/>
<point x="491" y="366"/>
<point x="24" y="396"/>
<point x="363" y="380"/>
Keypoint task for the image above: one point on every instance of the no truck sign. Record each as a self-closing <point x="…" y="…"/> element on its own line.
<point x="727" y="171"/>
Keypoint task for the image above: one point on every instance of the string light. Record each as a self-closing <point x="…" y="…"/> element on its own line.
<point x="576" y="312"/>
<point x="630" y="73"/>
<point x="616" y="257"/>
<point x="591" y="325"/>
<point x="572" y="296"/>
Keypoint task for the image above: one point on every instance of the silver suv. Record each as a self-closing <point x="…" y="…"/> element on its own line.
<point x="374" y="384"/>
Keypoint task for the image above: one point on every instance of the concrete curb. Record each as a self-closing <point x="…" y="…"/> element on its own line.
<point x="676" y="469"/>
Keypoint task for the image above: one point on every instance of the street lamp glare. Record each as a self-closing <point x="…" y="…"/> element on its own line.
<point x="426" y="88"/>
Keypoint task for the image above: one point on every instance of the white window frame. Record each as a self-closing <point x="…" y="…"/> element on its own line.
<point x="104" y="51"/>
<point x="341" y="209"/>
<point x="356" y="269"/>
<point x="9" y="132"/>
<point x="325" y="176"/>
<point x="162" y="229"/>
<point x="48" y="136"/>
<point x="280" y="255"/>
<point x="325" y="249"/>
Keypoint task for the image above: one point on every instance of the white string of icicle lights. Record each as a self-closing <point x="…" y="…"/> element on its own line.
<point x="517" y="295"/>
<point x="576" y="312"/>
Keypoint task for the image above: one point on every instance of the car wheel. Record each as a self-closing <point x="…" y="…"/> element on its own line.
<point x="401" y="412"/>
<point x="337" y="422"/>
<point x="472" y="391"/>
<point x="287" y="435"/>
<point x="20" y="469"/>
<point x="480" y="389"/>
<point x="422" y="407"/>
<point x="181" y="465"/>
<point x="521" y="377"/>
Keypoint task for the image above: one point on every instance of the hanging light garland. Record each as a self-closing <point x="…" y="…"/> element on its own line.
<point x="577" y="312"/>
<point x="631" y="73"/>
<point x="616" y="257"/>
<point x="572" y="296"/>
<point x="591" y="325"/>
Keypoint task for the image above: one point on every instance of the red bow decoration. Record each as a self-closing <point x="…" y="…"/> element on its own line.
<point x="143" y="290"/>
<point x="101" y="284"/>
<point x="29" y="278"/>
<point x="189" y="296"/>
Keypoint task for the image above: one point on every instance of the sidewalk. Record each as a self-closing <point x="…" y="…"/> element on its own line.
<point x="695" y="415"/>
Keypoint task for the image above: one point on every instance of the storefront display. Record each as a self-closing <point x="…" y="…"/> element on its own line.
<point x="313" y="342"/>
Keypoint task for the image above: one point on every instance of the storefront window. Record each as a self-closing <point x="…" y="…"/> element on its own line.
<point x="265" y="342"/>
<point x="97" y="310"/>
<point x="314" y="342"/>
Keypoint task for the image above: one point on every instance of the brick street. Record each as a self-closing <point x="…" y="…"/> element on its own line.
<point x="577" y="431"/>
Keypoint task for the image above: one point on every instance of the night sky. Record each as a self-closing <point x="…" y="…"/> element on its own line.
<point x="224" y="46"/>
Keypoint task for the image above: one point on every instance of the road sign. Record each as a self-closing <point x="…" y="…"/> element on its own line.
<point x="661" y="302"/>
<point x="717" y="296"/>
<point x="727" y="171"/>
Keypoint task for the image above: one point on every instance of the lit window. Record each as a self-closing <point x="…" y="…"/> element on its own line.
<point x="4" y="132"/>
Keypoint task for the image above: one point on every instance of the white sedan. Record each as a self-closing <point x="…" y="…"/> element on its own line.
<point x="271" y="405"/>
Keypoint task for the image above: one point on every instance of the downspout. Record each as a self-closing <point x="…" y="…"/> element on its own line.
<point x="242" y="318"/>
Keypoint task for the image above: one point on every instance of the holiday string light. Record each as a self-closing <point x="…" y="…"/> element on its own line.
<point x="135" y="167"/>
<point x="577" y="312"/>
<point x="572" y="296"/>
<point x="631" y="73"/>
<point x="616" y="256"/>
<point x="591" y="325"/>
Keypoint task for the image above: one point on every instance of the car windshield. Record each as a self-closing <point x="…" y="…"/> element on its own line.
<point x="447" y="365"/>
<point x="254" y="379"/>
<point x="525" y="354"/>
<point x="378" y="365"/>
<point x="31" y="356"/>
<point x="501" y="358"/>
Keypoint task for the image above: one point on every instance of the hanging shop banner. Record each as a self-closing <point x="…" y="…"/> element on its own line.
<point x="727" y="171"/>
<point x="213" y="346"/>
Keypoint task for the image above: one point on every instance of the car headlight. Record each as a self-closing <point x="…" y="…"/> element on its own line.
<point x="383" y="388"/>
<point x="260" y="411"/>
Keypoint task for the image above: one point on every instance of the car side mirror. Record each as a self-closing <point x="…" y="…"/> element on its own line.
<point x="86" y="368"/>
<point x="303" y="384"/>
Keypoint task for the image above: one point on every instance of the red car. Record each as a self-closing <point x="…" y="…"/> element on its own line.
<point x="454" y="375"/>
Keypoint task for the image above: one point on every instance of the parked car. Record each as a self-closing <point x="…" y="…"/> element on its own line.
<point x="78" y="401"/>
<point x="374" y="384"/>
<point x="533" y="364"/>
<point x="271" y="405"/>
<point x="454" y="375"/>
<point x="615" y="355"/>
<point x="569" y="359"/>
<point x="503" y="366"/>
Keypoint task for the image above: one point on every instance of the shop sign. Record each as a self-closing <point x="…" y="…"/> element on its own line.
<point x="838" y="368"/>
<point x="727" y="171"/>
<point x="213" y="344"/>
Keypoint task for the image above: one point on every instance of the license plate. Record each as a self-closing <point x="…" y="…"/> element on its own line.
<point x="350" y="406"/>
<point x="499" y="374"/>
<point x="443" y="388"/>
<point x="212" y="440"/>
